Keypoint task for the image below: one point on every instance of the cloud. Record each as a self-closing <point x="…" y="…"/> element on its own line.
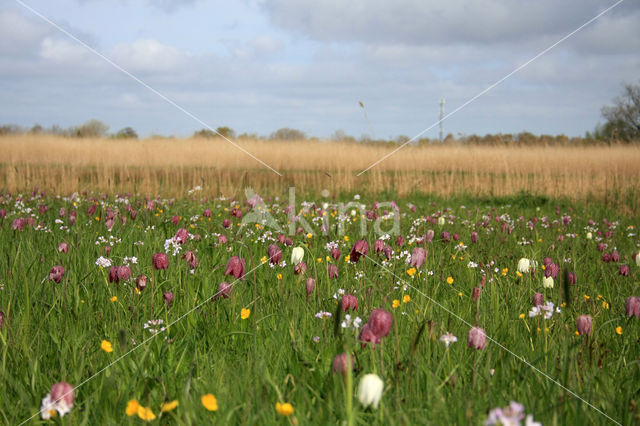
<point x="168" y="6"/>
<point x="149" y="56"/>
<point x="18" y="34"/>
<point x="611" y="35"/>
<point x="61" y="51"/>
<point x="266" y="44"/>
<point x="306" y="65"/>
<point x="171" y="5"/>
<point x="418" y="22"/>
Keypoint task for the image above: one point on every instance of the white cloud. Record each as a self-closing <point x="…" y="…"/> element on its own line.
<point x="64" y="52"/>
<point x="18" y="34"/>
<point x="149" y="56"/>
<point x="266" y="44"/>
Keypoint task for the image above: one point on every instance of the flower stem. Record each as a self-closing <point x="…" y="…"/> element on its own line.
<point x="349" y="393"/>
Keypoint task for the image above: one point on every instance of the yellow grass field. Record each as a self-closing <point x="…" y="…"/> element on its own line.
<point x="170" y="167"/>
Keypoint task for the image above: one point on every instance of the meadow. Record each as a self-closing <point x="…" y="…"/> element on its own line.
<point x="204" y="309"/>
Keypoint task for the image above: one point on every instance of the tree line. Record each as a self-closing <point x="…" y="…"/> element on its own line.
<point x="622" y="124"/>
<point x="93" y="128"/>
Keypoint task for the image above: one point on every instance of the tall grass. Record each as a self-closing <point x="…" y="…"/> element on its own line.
<point x="171" y="166"/>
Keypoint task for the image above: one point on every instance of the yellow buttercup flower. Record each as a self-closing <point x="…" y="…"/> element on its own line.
<point x="519" y="274"/>
<point x="210" y="402"/>
<point x="619" y="330"/>
<point x="504" y="272"/>
<point x="132" y="407"/>
<point x="521" y="316"/>
<point x="406" y="298"/>
<point x="114" y="298"/>
<point x="264" y="259"/>
<point x="106" y="346"/>
<point x="449" y="280"/>
<point x="145" y="413"/>
<point x="279" y="276"/>
<point x="396" y="303"/>
<point x="346" y="238"/>
<point x="285" y="409"/>
<point x="244" y="313"/>
<point x="411" y="271"/>
<point x="169" y="406"/>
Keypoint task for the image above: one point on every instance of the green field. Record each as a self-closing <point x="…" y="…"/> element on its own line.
<point x="283" y="351"/>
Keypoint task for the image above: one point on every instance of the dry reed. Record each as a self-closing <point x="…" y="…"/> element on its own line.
<point x="172" y="166"/>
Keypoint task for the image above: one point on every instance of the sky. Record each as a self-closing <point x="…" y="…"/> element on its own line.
<point x="259" y="65"/>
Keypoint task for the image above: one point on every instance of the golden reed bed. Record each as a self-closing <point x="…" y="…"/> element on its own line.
<point x="172" y="166"/>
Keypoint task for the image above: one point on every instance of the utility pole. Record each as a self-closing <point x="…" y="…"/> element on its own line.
<point x="441" y="118"/>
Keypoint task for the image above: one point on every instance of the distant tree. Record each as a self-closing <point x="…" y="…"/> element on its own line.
<point x="36" y="129"/>
<point x="249" y="136"/>
<point x="126" y="133"/>
<point x="526" y="138"/>
<point x="449" y="138"/>
<point x="57" y="130"/>
<point x="204" y="133"/>
<point x="223" y="131"/>
<point x="287" y="134"/>
<point x="226" y="132"/>
<point x="10" y="129"/>
<point x="91" y="129"/>
<point x="623" y="118"/>
<point x="403" y="139"/>
<point x="340" y="135"/>
<point x="507" y="138"/>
